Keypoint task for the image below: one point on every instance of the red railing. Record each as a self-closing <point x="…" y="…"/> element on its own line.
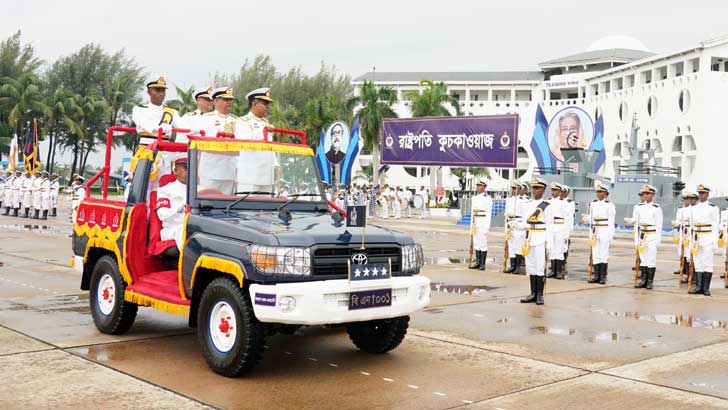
<point x="301" y="134"/>
<point x="106" y="170"/>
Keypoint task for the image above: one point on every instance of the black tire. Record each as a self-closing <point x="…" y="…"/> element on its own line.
<point x="378" y="336"/>
<point x="121" y="316"/>
<point x="249" y="340"/>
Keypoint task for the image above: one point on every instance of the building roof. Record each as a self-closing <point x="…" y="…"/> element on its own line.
<point x="474" y="76"/>
<point x="618" y="55"/>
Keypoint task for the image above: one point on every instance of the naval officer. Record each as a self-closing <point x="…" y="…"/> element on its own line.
<point x="647" y="221"/>
<point x="705" y="224"/>
<point x="514" y="236"/>
<point x="194" y="119"/>
<point x="482" y="206"/>
<point x="217" y="169"/>
<point x="601" y="224"/>
<point x="262" y="167"/>
<point x="537" y="224"/>
<point x="152" y="115"/>
<point x="556" y="237"/>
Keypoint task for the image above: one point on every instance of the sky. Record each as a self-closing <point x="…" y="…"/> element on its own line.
<point x="189" y="41"/>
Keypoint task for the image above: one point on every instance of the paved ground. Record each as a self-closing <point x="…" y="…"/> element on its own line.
<point x="475" y="346"/>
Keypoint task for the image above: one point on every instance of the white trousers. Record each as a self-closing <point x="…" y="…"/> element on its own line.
<point x="17" y="197"/>
<point x="36" y="200"/>
<point x="45" y="202"/>
<point x="556" y="240"/>
<point x="26" y="199"/>
<point x="397" y="209"/>
<point x="54" y="200"/>
<point x="600" y="251"/>
<point x="173" y="232"/>
<point x="536" y="260"/>
<point x="648" y="258"/>
<point x="703" y="260"/>
<point x="515" y="243"/>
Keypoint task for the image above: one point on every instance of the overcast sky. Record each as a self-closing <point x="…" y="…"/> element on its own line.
<point x="190" y="40"/>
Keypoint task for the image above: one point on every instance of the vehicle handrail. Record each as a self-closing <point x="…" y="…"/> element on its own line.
<point x="106" y="170"/>
<point x="301" y="134"/>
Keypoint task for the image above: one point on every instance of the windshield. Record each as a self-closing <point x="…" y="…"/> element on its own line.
<point x="256" y="172"/>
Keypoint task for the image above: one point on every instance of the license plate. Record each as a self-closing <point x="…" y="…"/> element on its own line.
<point x="365" y="299"/>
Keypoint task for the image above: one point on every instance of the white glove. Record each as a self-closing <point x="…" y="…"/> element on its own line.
<point x="166" y="128"/>
<point x="181" y="208"/>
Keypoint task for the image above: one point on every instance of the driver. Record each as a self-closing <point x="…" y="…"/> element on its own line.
<point x="170" y="206"/>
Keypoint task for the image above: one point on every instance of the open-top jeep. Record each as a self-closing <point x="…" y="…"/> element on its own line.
<point x="259" y="256"/>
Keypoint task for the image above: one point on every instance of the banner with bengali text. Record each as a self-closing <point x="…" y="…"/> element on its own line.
<point x="473" y="141"/>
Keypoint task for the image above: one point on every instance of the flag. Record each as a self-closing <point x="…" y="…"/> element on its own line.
<point x="540" y="144"/>
<point x="598" y="144"/>
<point x="321" y="162"/>
<point x="13" y="160"/>
<point x="30" y="153"/>
<point x="351" y="154"/>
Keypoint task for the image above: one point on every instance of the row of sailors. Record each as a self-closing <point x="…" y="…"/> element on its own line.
<point x="38" y="192"/>
<point x="562" y="208"/>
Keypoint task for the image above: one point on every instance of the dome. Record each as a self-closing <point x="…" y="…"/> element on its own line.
<point x="612" y="42"/>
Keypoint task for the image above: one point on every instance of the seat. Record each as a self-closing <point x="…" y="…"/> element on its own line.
<point x="156" y="245"/>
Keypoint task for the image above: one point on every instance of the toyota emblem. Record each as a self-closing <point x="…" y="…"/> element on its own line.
<point x="359" y="259"/>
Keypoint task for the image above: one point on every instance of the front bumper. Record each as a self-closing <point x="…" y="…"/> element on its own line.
<point x="327" y="302"/>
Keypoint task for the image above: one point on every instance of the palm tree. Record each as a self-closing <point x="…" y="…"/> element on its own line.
<point x="185" y="101"/>
<point x="22" y="98"/>
<point x="374" y="104"/>
<point x="432" y="101"/>
<point x="60" y="118"/>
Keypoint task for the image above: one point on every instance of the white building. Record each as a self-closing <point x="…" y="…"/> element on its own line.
<point x="680" y="99"/>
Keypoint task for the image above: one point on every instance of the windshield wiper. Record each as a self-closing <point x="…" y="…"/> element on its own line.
<point x="293" y="198"/>
<point x="242" y="198"/>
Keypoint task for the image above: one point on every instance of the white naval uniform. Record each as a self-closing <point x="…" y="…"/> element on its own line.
<point x="194" y="121"/>
<point x="682" y="231"/>
<point x="18" y="191"/>
<point x="45" y="194"/>
<point x="482" y="206"/>
<point x="217" y="169"/>
<point x="569" y="210"/>
<point x="257" y="171"/>
<point x="396" y="204"/>
<point x="35" y="189"/>
<point x="171" y="201"/>
<point x="537" y="221"/>
<point x="556" y="238"/>
<point x="647" y="218"/>
<point x="384" y="201"/>
<point x="406" y="197"/>
<point x="601" y="221"/>
<point x="78" y="195"/>
<point x="425" y="199"/>
<point x="514" y="215"/>
<point x="705" y="219"/>
<point x="26" y="189"/>
<point x="148" y="118"/>
<point x="55" y="187"/>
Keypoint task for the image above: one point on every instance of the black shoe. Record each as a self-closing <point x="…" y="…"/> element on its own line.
<point x="45" y="215"/>
<point x="722" y="275"/>
<point x="596" y="273"/>
<point x="36" y="214"/>
<point x="7" y="210"/>
<point x="483" y="256"/>
<point x="15" y="211"/>
<point x="643" y="278"/>
<point x="540" y="282"/>
<point x="698" y="288"/>
<point x="512" y="267"/>
<point x="559" y="269"/>
<point x="532" y="297"/>
<point x="552" y="272"/>
<point x="603" y="275"/>
<point x="707" y="278"/>
<point x="650" y="277"/>
<point x="27" y="210"/>
<point x="476" y="261"/>
<point x="53" y="212"/>
<point x="519" y="262"/>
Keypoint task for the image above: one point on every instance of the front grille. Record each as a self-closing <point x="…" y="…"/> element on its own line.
<point x="331" y="260"/>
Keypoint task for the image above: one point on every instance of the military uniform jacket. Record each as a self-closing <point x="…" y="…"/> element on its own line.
<point x="569" y="210"/>
<point x="558" y="210"/>
<point x="601" y="217"/>
<point x="214" y="122"/>
<point x="539" y="220"/>
<point x="482" y="205"/>
<point x="194" y="121"/>
<point x="513" y="211"/>
<point x="648" y="218"/>
<point x="250" y="127"/>
<point x="148" y="118"/>
<point x="705" y="223"/>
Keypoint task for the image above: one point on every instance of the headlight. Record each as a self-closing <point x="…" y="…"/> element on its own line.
<point x="412" y="258"/>
<point x="276" y="260"/>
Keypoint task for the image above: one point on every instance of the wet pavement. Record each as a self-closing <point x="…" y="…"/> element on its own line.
<point x="590" y="346"/>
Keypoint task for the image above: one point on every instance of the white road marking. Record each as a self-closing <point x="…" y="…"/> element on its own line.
<point x="412" y="386"/>
<point x="478" y="315"/>
<point x="387" y="379"/>
<point x="467" y="401"/>
<point x="437" y="393"/>
<point x="365" y="373"/>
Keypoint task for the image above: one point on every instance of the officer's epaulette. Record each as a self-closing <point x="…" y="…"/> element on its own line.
<point x="595" y="200"/>
<point x="569" y="200"/>
<point x="655" y="205"/>
<point x="711" y="204"/>
<point x="606" y="200"/>
<point x="142" y="105"/>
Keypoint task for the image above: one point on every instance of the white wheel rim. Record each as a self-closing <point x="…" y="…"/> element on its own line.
<point x="106" y="294"/>
<point x="223" y="326"/>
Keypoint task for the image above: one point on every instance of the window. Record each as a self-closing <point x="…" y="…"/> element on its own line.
<point x="646" y="76"/>
<point x="683" y="100"/>
<point x="652" y="106"/>
<point x="679" y="68"/>
<point x="623" y="111"/>
<point x="719" y="64"/>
